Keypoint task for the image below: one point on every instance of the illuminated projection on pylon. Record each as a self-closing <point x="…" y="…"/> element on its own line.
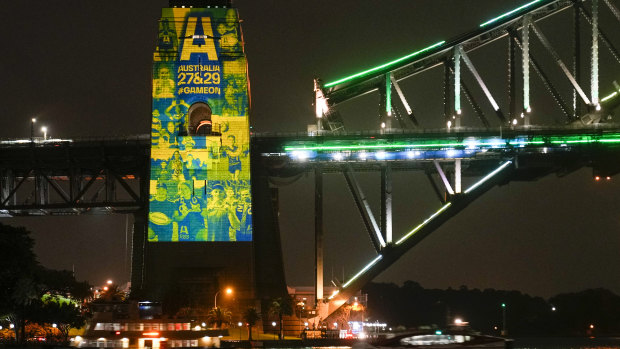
<point x="200" y="169"/>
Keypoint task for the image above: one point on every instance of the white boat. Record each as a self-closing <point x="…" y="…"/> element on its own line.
<point x="436" y="340"/>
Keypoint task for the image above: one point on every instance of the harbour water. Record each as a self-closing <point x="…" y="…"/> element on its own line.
<point x="533" y="343"/>
<point x="567" y="343"/>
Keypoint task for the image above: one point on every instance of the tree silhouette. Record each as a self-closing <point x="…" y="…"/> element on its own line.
<point x="219" y="316"/>
<point x="279" y="307"/>
<point x="250" y="316"/>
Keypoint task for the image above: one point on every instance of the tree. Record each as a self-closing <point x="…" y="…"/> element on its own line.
<point x="279" y="307"/>
<point x="250" y="316"/>
<point x="24" y="283"/>
<point x="65" y="315"/>
<point x="18" y="269"/>
<point x="219" y="316"/>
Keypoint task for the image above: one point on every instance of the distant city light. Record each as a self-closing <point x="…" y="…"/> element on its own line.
<point x="109" y="282"/>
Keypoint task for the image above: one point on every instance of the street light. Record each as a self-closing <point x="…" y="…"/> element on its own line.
<point x="273" y="323"/>
<point x="503" y="319"/>
<point x="44" y="130"/>
<point x="228" y="291"/>
<point x="32" y="122"/>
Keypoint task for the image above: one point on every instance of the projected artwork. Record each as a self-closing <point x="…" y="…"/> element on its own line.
<point x="200" y="168"/>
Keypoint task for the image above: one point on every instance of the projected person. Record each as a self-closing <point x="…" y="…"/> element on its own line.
<point x="220" y="216"/>
<point x="176" y="166"/>
<point x="235" y="96"/>
<point x="176" y="112"/>
<point x="164" y="172"/>
<point x="161" y="209"/>
<point x="233" y="153"/>
<point x="188" y="216"/>
<point x="167" y="41"/>
<point x="163" y="86"/>
<point x="228" y="32"/>
<point x="244" y="215"/>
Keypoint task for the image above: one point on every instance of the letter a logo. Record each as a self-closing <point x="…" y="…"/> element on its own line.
<point x="198" y="39"/>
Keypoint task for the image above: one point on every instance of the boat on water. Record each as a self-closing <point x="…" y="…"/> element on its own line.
<point x="436" y="340"/>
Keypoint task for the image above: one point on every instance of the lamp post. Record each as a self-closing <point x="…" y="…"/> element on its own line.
<point x="228" y="291"/>
<point x="503" y="319"/>
<point x="32" y="122"/>
<point x="44" y="130"/>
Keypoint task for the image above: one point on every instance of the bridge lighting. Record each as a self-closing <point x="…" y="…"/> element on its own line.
<point x="363" y="155"/>
<point x="381" y="155"/>
<point x="416" y="229"/>
<point x="368" y="266"/>
<point x="509" y="13"/>
<point x="458" y="112"/>
<point x="383" y="125"/>
<point x="451" y="153"/>
<point x="598" y="107"/>
<point x="411" y="154"/>
<point x="608" y="97"/>
<point x="386" y="65"/>
<point x="338" y="156"/>
<point x="449" y="123"/>
<point x="487" y="177"/>
<point x="300" y="155"/>
<point x="529" y="109"/>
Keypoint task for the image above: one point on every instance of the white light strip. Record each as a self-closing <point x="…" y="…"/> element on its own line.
<point x="594" y="60"/>
<point x="457" y="80"/>
<point x="473" y="70"/>
<point x="416" y="229"/>
<point x="401" y="95"/>
<point x="374" y="261"/>
<point x="443" y="178"/>
<point x="487" y="177"/>
<point x="609" y="97"/>
<point x="526" y="61"/>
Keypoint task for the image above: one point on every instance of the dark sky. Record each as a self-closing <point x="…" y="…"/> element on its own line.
<point x="83" y="69"/>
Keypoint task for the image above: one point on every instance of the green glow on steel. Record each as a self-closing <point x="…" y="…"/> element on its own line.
<point x="509" y="13"/>
<point x="368" y="266"/>
<point x="388" y="95"/>
<point x="372" y="146"/>
<point x="372" y="70"/>
<point x="606" y="98"/>
<point x="497" y="142"/>
<point x="487" y="177"/>
<point x="416" y="229"/>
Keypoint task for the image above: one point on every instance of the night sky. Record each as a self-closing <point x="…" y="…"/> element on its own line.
<point x="83" y="68"/>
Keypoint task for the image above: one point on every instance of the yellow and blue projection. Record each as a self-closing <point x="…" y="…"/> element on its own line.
<point x="200" y="167"/>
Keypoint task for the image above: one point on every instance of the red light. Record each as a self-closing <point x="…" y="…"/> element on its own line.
<point x="118" y="332"/>
<point x="597" y="178"/>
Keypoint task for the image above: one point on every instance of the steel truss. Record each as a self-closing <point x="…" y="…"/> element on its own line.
<point x="516" y="26"/>
<point x="74" y="177"/>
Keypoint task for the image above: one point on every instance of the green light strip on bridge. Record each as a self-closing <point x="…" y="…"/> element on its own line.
<point x="497" y="142"/>
<point x="509" y="13"/>
<point x="372" y="70"/>
<point x="373" y="262"/>
<point x="606" y="98"/>
<point x="416" y="229"/>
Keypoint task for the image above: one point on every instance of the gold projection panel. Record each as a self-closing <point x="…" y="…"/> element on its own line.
<point x="200" y="168"/>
